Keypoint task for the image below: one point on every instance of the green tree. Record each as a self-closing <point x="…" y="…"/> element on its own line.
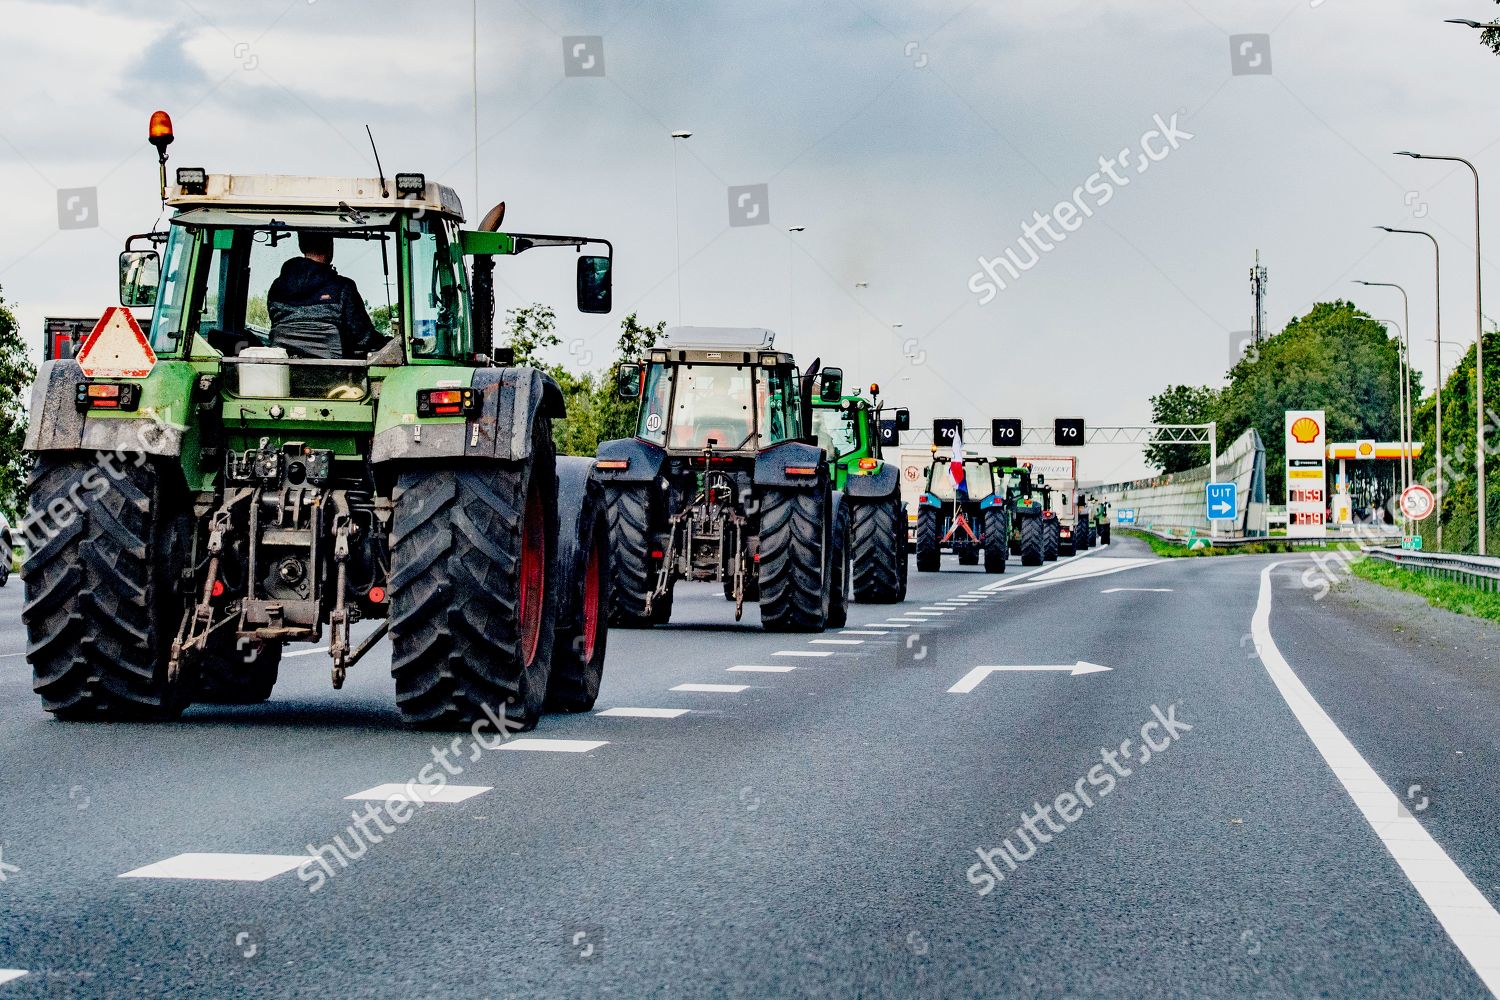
<point x="530" y="330"/>
<point x="1460" y="496"/>
<point x="617" y="416"/>
<point x="16" y="373"/>
<point x="1491" y="37"/>
<point x="1336" y="359"/>
<point x="1182" y="404"/>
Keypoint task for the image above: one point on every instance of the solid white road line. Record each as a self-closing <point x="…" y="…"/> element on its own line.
<point x="643" y="713"/>
<point x="426" y="793"/>
<point x="801" y="652"/>
<point x="753" y="668"/>
<point x="543" y="745"/>
<point x="713" y="688"/>
<point x="7" y="975"/>
<point x="840" y="642"/>
<point x="223" y="867"/>
<point x="1465" y="913"/>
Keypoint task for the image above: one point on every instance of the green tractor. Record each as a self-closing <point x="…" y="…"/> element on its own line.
<point x="1029" y="533"/>
<point x="210" y="492"/>
<point x="850" y="433"/>
<point x="979" y="518"/>
<point x="724" y="482"/>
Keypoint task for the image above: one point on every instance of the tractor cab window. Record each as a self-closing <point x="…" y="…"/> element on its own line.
<point x="836" y="430"/>
<point x="776" y="404"/>
<point x="656" y="404"/>
<point x="437" y="304"/>
<point x="167" y="325"/>
<point x="977" y="480"/>
<point x="712" y="403"/>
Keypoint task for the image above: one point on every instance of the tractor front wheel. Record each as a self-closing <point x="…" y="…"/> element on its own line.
<point x="794" y="543"/>
<point x="879" y="540"/>
<point x="1032" y="542"/>
<point x="929" y="534"/>
<point x="996" y="540"/>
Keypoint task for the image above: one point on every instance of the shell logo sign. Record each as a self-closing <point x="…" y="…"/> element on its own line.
<point x="1305" y="430"/>
<point x="1364" y="449"/>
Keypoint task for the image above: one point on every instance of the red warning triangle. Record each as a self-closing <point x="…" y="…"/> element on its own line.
<point x="116" y="348"/>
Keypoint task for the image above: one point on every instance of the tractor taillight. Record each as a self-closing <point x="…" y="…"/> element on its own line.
<point x="868" y="463"/>
<point x="657" y="553"/>
<point x="218" y="588"/>
<point x="612" y="463"/>
<point x="802" y="470"/>
<point x="445" y="402"/>
<point x="106" y="396"/>
<point x="377" y="595"/>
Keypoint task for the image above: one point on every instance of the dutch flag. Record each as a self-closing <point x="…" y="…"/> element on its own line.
<point x="956" y="468"/>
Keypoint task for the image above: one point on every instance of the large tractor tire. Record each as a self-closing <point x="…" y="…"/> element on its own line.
<point x="473" y="588"/>
<point x="929" y="535"/>
<point x="879" y="550"/>
<point x="841" y="572"/>
<point x="1033" y="544"/>
<point x="583" y="580"/>
<point x="1104" y="533"/>
<point x="103" y="602"/>
<point x="996" y="540"/>
<point x="1049" y="540"/>
<point x="627" y="511"/>
<point x="237" y="673"/>
<point x="795" y="538"/>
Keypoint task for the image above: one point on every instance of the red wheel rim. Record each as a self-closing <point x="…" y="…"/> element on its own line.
<point x="591" y="604"/>
<point x="533" y="576"/>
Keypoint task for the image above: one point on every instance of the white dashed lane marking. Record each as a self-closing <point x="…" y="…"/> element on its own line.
<point x="543" y="745"/>
<point x="221" y="867"/>
<point x="840" y="642"/>
<point x="713" y="688"/>
<point x="801" y="652"/>
<point x="753" y="668"/>
<point x="417" y="790"/>
<point x="861" y="631"/>
<point x="7" y="975"/>
<point x="643" y="713"/>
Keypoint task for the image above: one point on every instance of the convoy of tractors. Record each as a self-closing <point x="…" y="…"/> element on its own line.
<point x="208" y="488"/>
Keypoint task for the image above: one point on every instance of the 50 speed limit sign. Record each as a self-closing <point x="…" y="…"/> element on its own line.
<point x="1417" y="502"/>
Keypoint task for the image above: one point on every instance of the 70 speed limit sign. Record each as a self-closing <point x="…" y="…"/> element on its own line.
<point x="1417" y="502"/>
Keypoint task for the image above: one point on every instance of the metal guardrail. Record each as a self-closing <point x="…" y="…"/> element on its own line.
<point x="1481" y="572"/>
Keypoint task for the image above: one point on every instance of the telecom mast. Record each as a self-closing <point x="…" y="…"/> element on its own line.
<point x="1258" y="282"/>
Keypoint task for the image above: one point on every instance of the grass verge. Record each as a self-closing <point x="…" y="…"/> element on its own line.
<point x="1440" y="593"/>
<point x="1179" y="550"/>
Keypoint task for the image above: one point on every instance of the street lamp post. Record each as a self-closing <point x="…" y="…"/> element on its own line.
<point x="1437" y="298"/>
<point x="677" y="139"/>
<point x="1478" y="345"/>
<point x="1403" y="374"/>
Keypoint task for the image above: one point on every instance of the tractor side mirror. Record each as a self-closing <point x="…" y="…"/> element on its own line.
<point x="903" y="419"/>
<point x="831" y="385"/>
<point x="628" y="382"/>
<point x="595" y="289"/>
<point x="1041" y="480"/>
<point x="140" y="274"/>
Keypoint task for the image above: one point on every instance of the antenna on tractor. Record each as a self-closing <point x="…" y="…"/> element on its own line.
<point x="384" y="191"/>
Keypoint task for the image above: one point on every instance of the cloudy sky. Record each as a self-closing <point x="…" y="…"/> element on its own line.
<point x="909" y="137"/>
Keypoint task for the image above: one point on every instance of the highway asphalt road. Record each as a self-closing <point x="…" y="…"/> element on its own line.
<point x="1317" y="818"/>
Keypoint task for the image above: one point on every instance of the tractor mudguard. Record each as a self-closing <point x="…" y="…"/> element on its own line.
<point x="510" y="400"/>
<point x="771" y="465"/>
<point x="643" y="461"/>
<point x="882" y="483"/>
<point x="56" y="423"/>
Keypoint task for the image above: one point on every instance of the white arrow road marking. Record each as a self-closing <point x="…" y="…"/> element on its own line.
<point x="643" y="713"/>
<point x="1464" y="912"/>
<point x="1137" y="590"/>
<point x="553" y="746"/>
<point x="224" y="867"/>
<point x="971" y="679"/>
<point x="427" y="793"/>
<point x="6" y="975"/>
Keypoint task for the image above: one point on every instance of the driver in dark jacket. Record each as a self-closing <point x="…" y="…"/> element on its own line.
<point x="317" y="312"/>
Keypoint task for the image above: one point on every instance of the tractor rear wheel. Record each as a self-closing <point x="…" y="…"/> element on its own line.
<point x="879" y="549"/>
<point x="473" y="588"/>
<point x="996" y="540"/>
<point x="583" y="586"/>
<point x="1050" y="531"/>
<point x="1032" y="544"/>
<point x="929" y="553"/>
<point x="794" y="543"/>
<point x="841" y="576"/>
<point x="627" y="510"/>
<point x="103" y="599"/>
<point x="1104" y="533"/>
